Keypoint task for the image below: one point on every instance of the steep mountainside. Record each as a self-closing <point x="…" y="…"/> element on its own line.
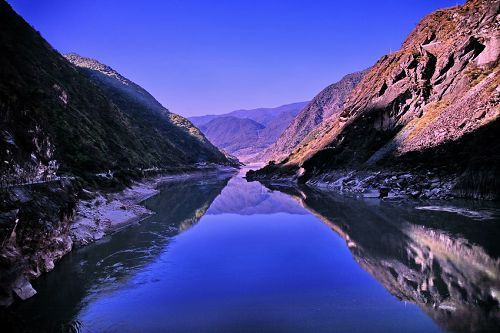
<point x="326" y="104"/>
<point x="431" y="105"/>
<point x="52" y="115"/>
<point x="247" y="133"/>
<point x="146" y="112"/>
<point x="57" y="119"/>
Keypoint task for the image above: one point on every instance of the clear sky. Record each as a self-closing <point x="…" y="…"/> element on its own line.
<point x="215" y="56"/>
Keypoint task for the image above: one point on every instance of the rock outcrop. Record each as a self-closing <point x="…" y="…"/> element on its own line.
<point x="34" y="233"/>
<point x="432" y="105"/>
<point x="306" y="126"/>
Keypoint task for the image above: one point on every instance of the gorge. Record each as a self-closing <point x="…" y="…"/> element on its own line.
<point x="371" y="206"/>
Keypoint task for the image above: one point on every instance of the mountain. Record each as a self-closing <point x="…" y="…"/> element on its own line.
<point x="260" y="115"/>
<point x="246" y="133"/>
<point x="147" y="114"/>
<point x="232" y="134"/>
<point x="430" y="109"/>
<point x="87" y="123"/>
<point x="55" y="115"/>
<point x="324" y="105"/>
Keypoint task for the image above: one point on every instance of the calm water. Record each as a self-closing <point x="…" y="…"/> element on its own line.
<point x="224" y="255"/>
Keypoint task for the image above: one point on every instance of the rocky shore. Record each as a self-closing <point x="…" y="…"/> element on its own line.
<point x="40" y="223"/>
<point x="388" y="185"/>
<point x="384" y="184"/>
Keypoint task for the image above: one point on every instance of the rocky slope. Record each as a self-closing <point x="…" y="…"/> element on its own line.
<point x="34" y="234"/>
<point x="178" y="135"/>
<point x="247" y="133"/>
<point x="90" y="125"/>
<point x="54" y="116"/>
<point x="327" y="103"/>
<point x="431" y="106"/>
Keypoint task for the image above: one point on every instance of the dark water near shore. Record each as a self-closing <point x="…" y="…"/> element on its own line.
<point x="224" y="255"/>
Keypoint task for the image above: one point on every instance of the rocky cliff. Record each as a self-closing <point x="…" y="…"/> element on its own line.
<point x="431" y="106"/>
<point x="34" y="233"/>
<point x="327" y="103"/>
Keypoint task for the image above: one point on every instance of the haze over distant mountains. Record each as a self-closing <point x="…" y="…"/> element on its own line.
<point x="247" y="133"/>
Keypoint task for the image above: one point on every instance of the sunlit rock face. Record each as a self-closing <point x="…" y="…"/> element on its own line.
<point x="434" y="103"/>
<point x="446" y="261"/>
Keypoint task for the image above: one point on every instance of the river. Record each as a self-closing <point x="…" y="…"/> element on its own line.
<point x="225" y="255"/>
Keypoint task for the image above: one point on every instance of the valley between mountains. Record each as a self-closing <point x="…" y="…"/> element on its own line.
<point x="82" y="146"/>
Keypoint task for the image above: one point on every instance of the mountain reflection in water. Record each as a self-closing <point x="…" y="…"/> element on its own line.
<point x="444" y="260"/>
<point x="102" y="267"/>
<point x="225" y="255"/>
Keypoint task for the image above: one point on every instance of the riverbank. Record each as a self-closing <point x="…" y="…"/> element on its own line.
<point x="39" y="224"/>
<point x="404" y="183"/>
<point x="103" y="214"/>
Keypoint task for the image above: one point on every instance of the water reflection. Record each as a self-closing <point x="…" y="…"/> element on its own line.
<point x="254" y="259"/>
<point x="101" y="268"/>
<point x="244" y="198"/>
<point x="444" y="260"/>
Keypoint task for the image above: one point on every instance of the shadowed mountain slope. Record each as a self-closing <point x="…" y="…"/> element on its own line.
<point x="323" y="106"/>
<point x="53" y="116"/>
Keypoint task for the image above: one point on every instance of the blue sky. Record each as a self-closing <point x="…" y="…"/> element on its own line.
<point x="205" y="57"/>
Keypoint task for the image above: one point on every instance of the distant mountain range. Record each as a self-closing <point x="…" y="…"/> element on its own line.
<point x="247" y="133"/>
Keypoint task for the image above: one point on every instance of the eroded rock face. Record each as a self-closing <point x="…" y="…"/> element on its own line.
<point x="34" y="234"/>
<point x="432" y="104"/>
